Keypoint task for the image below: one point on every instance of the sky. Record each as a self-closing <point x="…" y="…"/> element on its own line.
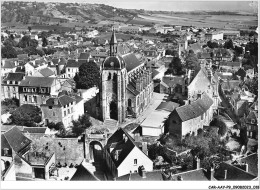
<point x="169" y="5"/>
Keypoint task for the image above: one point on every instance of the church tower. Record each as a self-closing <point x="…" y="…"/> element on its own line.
<point x="113" y="89"/>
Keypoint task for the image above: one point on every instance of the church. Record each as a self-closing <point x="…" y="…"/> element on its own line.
<point x="126" y="85"/>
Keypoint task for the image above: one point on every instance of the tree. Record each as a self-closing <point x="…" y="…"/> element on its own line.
<point x="243" y="136"/>
<point x="253" y="85"/>
<point x="9" y="105"/>
<point x="80" y="125"/>
<point x="24" y="42"/>
<point x="212" y="44"/>
<point x="238" y="50"/>
<point x="229" y="44"/>
<point x="88" y="76"/>
<point x="58" y="39"/>
<point x="27" y="115"/>
<point x="44" y="42"/>
<point x="29" y="28"/>
<point x="8" y="52"/>
<point x="191" y="60"/>
<point x="175" y="67"/>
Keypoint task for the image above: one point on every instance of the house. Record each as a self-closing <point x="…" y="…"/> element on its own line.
<point x="73" y="67"/>
<point x="204" y="82"/>
<point x="63" y="109"/>
<point x="214" y="36"/>
<point x="151" y="55"/>
<point x="22" y="58"/>
<point x="34" y="66"/>
<point x="230" y="66"/>
<point x="8" y="66"/>
<point x="155" y="123"/>
<point x="228" y="34"/>
<point x="187" y="119"/>
<point x="130" y="29"/>
<point x="46" y="72"/>
<point x="34" y="90"/>
<point x="85" y="56"/>
<point x="173" y="85"/>
<point x="83" y="174"/>
<point x="10" y="85"/>
<point x="57" y="65"/>
<point x="123" y="155"/>
<point x="251" y="123"/>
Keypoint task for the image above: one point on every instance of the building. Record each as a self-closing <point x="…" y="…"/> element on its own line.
<point x="34" y="90"/>
<point x="214" y="36"/>
<point x="156" y="122"/>
<point x="183" y="45"/>
<point x="63" y="109"/>
<point x="127" y="85"/>
<point x="130" y="29"/>
<point x="123" y="155"/>
<point x="46" y="72"/>
<point x="230" y="66"/>
<point x="10" y="85"/>
<point x="8" y="66"/>
<point x="189" y="118"/>
<point x="227" y="34"/>
<point x="73" y="67"/>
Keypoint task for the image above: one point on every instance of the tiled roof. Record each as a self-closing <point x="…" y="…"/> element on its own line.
<point x="150" y="176"/>
<point x="62" y="101"/>
<point x="131" y="61"/>
<point x="233" y="173"/>
<point x="167" y="106"/>
<point x="46" y="72"/>
<point x="195" y="109"/>
<point x="22" y="56"/>
<point x="82" y="174"/>
<point x="38" y="81"/>
<point x="172" y="81"/>
<point x="14" y="77"/>
<point x="16" y="139"/>
<point x="84" y="55"/>
<point x="73" y="63"/>
<point x="252" y="161"/>
<point x="193" y="175"/>
<point x="8" y="64"/>
<point x="35" y="129"/>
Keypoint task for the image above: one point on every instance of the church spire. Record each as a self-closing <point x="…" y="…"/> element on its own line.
<point x="113" y="44"/>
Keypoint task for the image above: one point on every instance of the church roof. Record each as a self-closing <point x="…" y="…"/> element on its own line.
<point x="131" y="61"/>
<point x="113" y="62"/>
<point x="113" y="39"/>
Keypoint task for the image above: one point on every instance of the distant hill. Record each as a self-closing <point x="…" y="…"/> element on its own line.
<point x="40" y="12"/>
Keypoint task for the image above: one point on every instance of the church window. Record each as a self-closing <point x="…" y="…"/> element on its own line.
<point x="109" y="76"/>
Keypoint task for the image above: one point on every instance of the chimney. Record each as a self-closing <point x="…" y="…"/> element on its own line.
<point x="199" y="95"/>
<point x="55" y="101"/>
<point x="44" y="100"/>
<point x="246" y="166"/>
<point x="225" y="175"/>
<point x="142" y="171"/>
<point x="57" y="69"/>
<point x="144" y="148"/>
<point x="196" y="163"/>
<point x="137" y="137"/>
<point x="186" y="102"/>
<point x="211" y="173"/>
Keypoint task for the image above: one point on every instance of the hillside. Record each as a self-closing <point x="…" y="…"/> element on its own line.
<point x="42" y="13"/>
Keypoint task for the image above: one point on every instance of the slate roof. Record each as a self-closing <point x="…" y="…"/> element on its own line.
<point x="46" y="72"/>
<point x="63" y="100"/>
<point x="230" y="84"/>
<point x="37" y="81"/>
<point x="130" y="87"/>
<point x="131" y="61"/>
<point x="14" y="77"/>
<point x="167" y="106"/>
<point x="150" y="176"/>
<point x="82" y="174"/>
<point x="16" y="139"/>
<point x="233" y="173"/>
<point x="4" y="143"/>
<point x="22" y="56"/>
<point x="35" y="129"/>
<point x="195" y="109"/>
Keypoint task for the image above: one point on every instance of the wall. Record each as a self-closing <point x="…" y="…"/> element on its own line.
<point x="10" y="173"/>
<point x="22" y="168"/>
<point x="48" y="114"/>
<point x="47" y="167"/>
<point x="150" y="131"/>
<point x="128" y="164"/>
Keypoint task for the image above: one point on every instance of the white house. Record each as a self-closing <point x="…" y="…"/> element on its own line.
<point x="124" y="155"/>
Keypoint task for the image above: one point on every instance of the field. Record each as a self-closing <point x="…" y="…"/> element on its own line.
<point x="218" y="21"/>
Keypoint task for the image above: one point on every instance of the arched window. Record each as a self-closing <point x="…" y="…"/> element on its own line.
<point x="129" y="102"/>
<point x="109" y="76"/>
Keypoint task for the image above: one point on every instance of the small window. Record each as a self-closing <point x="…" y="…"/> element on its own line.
<point x="72" y="110"/>
<point x="135" y="161"/>
<point x="10" y="82"/>
<point x="64" y="113"/>
<point x="50" y="107"/>
<point x="68" y="111"/>
<point x="53" y="114"/>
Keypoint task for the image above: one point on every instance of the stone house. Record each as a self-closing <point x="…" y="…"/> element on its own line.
<point x="63" y="109"/>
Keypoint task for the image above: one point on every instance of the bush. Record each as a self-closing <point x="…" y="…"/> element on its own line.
<point x="80" y="125"/>
<point x="9" y="105"/>
<point x="27" y="115"/>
